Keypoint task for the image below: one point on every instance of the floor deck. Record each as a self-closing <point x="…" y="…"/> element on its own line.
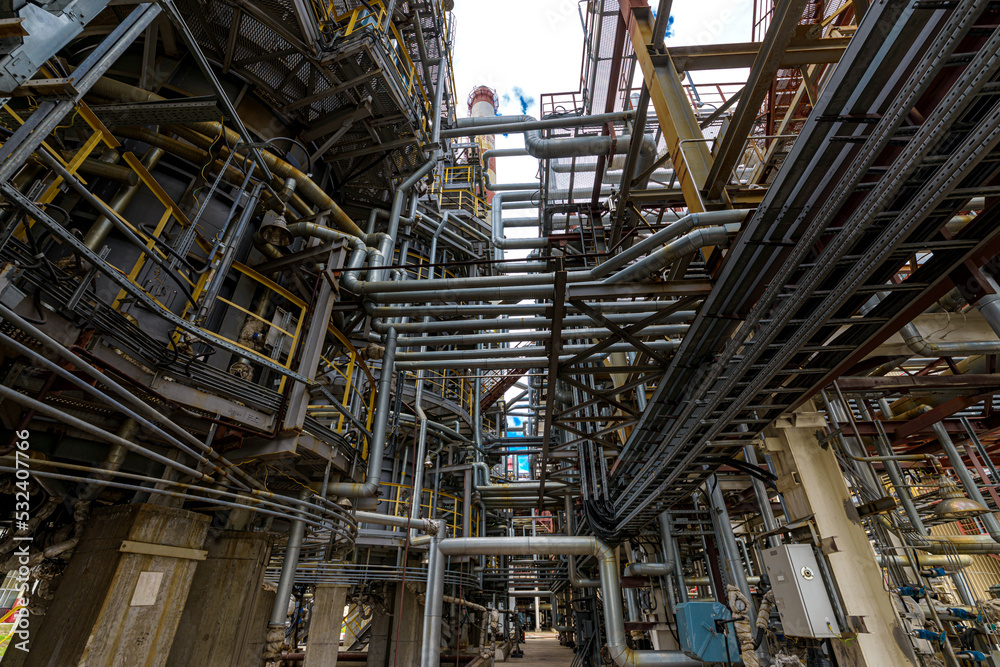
<point x="543" y="650"/>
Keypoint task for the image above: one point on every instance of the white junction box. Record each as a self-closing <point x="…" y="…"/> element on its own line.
<point x="799" y="592"/>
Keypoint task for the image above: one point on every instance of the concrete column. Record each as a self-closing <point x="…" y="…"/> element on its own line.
<point x="324" y="628"/>
<point x="381" y="634"/>
<point x="811" y="483"/>
<point x="124" y="589"/>
<point x="217" y="623"/>
<point x="406" y="637"/>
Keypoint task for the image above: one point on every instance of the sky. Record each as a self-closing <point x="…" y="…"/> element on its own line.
<point x="536" y="46"/>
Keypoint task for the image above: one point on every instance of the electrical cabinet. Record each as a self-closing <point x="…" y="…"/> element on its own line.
<point x="799" y="592"/>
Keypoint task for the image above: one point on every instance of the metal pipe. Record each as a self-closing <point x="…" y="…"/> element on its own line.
<point x="368" y="488"/>
<point x="428" y="526"/>
<point x="430" y="650"/>
<point x="291" y="561"/>
<point x="971" y="488"/>
<point x="529" y="351"/>
<point x="308" y="188"/>
<point x="102" y="226"/>
<point x="618" y="650"/>
<point x="685" y="245"/>
<point x="536" y="335"/>
<point x="682" y="226"/>
<point x="670" y="551"/>
<point x="482" y="125"/>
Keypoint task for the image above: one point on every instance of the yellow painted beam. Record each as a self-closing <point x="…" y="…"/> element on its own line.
<point x="689" y="150"/>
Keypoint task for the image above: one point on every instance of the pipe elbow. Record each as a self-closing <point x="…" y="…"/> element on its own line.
<point x="601" y="550"/>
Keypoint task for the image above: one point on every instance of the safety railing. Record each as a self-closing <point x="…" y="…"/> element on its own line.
<point x="350" y="371"/>
<point x="370" y="18"/>
<point x="443" y="506"/>
<point x="459" y="198"/>
<point x="276" y="338"/>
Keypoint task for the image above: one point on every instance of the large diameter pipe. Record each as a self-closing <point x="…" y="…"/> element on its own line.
<point x="368" y="488"/>
<point x="685" y="245"/>
<point x="287" y="577"/>
<point x="483" y="125"/>
<point x="620" y="653"/>
<point x="116" y="90"/>
<point x="430" y="650"/>
<point x="682" y="226"/>
<point x="925" y="560"/>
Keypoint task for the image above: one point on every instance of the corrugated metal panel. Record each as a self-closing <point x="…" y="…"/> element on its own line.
<point x="984" y="571"/>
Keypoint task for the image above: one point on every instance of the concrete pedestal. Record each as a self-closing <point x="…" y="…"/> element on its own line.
<point x="811" y="483"/>
<point x="397" y="631"/>
<point x="218" y="623"/>
<point x="128" y="582"/>
<point x="325" y="625"/>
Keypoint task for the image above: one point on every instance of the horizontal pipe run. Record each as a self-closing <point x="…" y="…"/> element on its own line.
<point x="522" y="323"/>
<point x="530" y="351"/>
<point x="610" y="584"/>
<point x="483" y="125"/>
<point x="525" y="309"/>
<point x="513" y="337"/>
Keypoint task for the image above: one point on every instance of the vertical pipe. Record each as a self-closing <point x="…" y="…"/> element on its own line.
<point x="430" y="650"/>
<point x="760" y="491"/>
<point x="287" y="578"/>
<point x="727" y="543"/>
<point x="671" y="551"/>
<point x="467" y="505"/>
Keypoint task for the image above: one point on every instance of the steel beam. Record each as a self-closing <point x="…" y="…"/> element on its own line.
<point x="779" y="33"/>
<point x="689" y="150"/>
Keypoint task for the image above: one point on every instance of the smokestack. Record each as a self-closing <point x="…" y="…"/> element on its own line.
<point x="483" y="101"/>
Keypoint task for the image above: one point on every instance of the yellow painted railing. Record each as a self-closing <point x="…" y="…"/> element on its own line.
<point x="397" y="497"/>
<point x="364" y="19"/>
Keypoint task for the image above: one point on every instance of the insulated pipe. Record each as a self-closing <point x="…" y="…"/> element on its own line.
<point x="671" y="552"/>
<point x="536" y="309"/>
<point x="519" y="488"/>
<point x="401" y="192"/>
<point x="428" y="526"/>
<point x="649" y="569"/>
<point x="99" y="231"/>
<point x="529" y="351"/>
<point x="510" y="336"/>
<point x="287" y="577"/>
<point x="685" y="245"/>
<point x="369" y="487"/>
<point x="925" y="560"/>
<point x="619" y="652"/>
<point x="730" y="551"/>
<point x="503" y="152"/>
<point x="430" y="650"/>
<point x="918" y="345"/>
<point x="418" y="475"/>
<point x="482" y="125"/>
<point x="499" y="242"/>
<point x="760" y="491"/>
<point x="956" y="544"/>
<point x="547" y="149"/>
<point x="682" y="226"/>
<point x="511" y="323"/>
<point x="112" y="89"/>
